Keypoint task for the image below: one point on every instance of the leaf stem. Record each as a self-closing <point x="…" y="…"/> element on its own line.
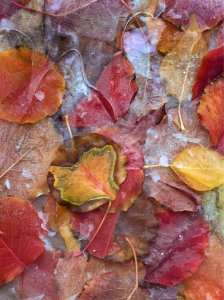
<point x="96" y="232"/>
<point x="136" y="268"/>
<point x="68" y="126"/>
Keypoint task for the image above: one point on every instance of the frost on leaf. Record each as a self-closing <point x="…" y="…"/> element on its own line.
<point x="20" y="243"/>
<point x="31" y="86"/>
<point x="211" y="110"/>
<point x="178" y="249"/>
<point x="26" y="153"/>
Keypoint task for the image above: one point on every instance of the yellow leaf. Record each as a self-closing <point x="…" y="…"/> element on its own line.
<point x="92" y="178"/>
<point x="200" y="168"/>
<point x="179" y="66"/>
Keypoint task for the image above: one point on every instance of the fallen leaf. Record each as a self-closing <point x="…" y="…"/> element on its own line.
<point x="213" y="204"/>
<point x="90" y="179"/>
<point x="179" y="66"/>
<point x="200" y="168"/>
<point x="20" y="230"/>
<point x="170" y="36"/>
<point x="34" y="94"/>
<point x="115" y="91"/>
<point x="7" y="8"/>
<point x="208" y="281"/>
<point x="38" y="280"/>
<point x="208" y="13"/>
<point x="98" y="234"/>
<point x="210" y="69"/>
<point x="211" y="110"/>
<point x="23" y="160"/>
<point x="163" y="143"/>
<point x="178" y="249"/>
<point x="164" y="293"/>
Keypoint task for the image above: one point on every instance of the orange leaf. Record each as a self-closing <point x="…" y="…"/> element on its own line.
<point x="211" y="110"/>
<point x="31" y="86"/>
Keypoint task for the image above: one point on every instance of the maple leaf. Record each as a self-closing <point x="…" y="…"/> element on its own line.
<point x="211" y="67"/>
<point x="200" y="168"/>
<point x="20" y="229"/>
<point x="163" y="143"/>
<point x="24" y="163"/>
<point x="27" y="98"/>
<point x="179" y="66"/>
<point x="213" y="204"/>
<point x="211" y="110"/>
<point x="209" y="279"/>
<point x="38" y="280"/>
<point x="91" y="179"/>
<point x="208" y="13"/>
<point x="178" y="249"/>
<point x="114" y="92"/>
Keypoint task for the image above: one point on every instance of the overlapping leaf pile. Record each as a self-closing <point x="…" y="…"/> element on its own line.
<point x="112" y="144"/>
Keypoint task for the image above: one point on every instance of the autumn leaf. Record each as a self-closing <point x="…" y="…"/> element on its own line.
<point x="213" y="204"/>
<point x="179" y="66"/>
<point x="31" y="86"/>
<point x="209" y="279"/>
<point x="208" y="13"/>
<point x="91" y="179"/>
<point x="114" y="92"/>
<point x="211" y="68"/>
<point x="39" y="277"/>
<point x="211" y="110"/>
<point x="27" y="151"/>
<point x="20" y="230"/>
<point x="178" y="249"/>
<point x="200" y="168"/>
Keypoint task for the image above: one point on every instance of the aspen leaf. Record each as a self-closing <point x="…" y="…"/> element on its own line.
<point x="92" y="178"/>
<point x="179" y="66"/>
<point x="211" y="110"/>
<point x="31" y="86"/>
<point x="200" y="168"/>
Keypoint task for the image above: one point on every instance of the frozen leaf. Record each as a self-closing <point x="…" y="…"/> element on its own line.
<point x="91" y="228"/>
<point x="211" y="110"/>
<point x="179" y="66"/>
<point x="208" y="13"/>
<point x="90" y="179"/>
<point x="38" y="279"/>
<point x="178" y="249"/>
<point x="163" y="143"/>
<point x="211" y="67"/>
<point x="213" y="204"/>
<point x="208" y="281"/>
<point x="33" y="94"/>
<point x="26" y="153"/>
<point x="20" y="230"/>
<point x="164" y="293"/>
<point x="115" y="91"/>
<point x="200" y="168"/>
<point x="169" y="38"/>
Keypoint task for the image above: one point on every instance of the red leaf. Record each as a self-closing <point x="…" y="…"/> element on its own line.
<point x="208" y="12"/>
<point x="212" y="66"/>
<point x="20" y="244"/>
<point x="88" y="223"/>
<point x="38" y="278"/>
<point x="179" y="248"/>
<point x="7" y="9"/>
<point x="116" y="90"/>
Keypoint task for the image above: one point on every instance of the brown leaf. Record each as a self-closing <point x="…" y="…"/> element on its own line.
<point x="26" y="153"/>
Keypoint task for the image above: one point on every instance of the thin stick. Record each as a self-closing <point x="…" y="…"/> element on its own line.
<point x="136" y="269"/>
<point x="51" y="14"/>
<point x="15" y="163"/>
<point x="68" y="126"/>
<point x="96" y="232"/>
<point x="151" y="166"/>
